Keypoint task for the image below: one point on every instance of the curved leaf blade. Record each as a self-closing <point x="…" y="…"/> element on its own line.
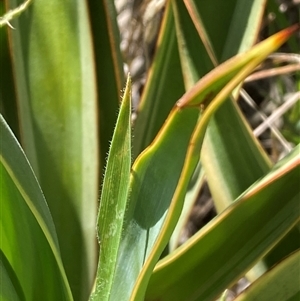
<point x="10" y="285"/>
<point x="151" y="188"/>
<point x="188" y="273"/>
<point x="229" y="141"/>
<point x="191" y="48"/>
<point x="149" y="225"/>
<point x="28" y="226"/>
<point x="207" y="87"/>
<point x="279" y="284"/>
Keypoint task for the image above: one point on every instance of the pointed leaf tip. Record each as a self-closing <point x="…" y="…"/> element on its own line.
<point x="127" y="89"/>
<point x="284" y="34"/>
<point x="209" y="85"/>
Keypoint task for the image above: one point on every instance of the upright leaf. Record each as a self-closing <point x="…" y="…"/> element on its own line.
<point x="28" y="242"/>
<point x="109" y="69"/>
<point x="54" y="72"/>
<point x="114" y="198"/>
<point x="164" y="85"/>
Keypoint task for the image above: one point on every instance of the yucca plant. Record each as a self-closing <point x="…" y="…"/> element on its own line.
<point x="63" y="110"/>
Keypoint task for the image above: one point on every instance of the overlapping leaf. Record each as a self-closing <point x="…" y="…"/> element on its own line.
<point x="156" y="172"/>
<point x="53" y="66"/>
<point x="239" y="30"/>
<point x="228" y="140"/>
<point x="109" y="69"/>
<point x="29" y="242"/>
<point x="279" y="284"/>
<point x="203" y="267"/>
<point x="163" y="87"/>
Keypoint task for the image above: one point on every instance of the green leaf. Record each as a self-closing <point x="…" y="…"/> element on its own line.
<point x="208" y="87"/>
<point x="54" y="70"/>
<point x="279" y="284"/>
<point x="204" y="266"/>
<point x="190" y="200"/>
<point x="161" y="174"/>
<point x="163" y="87"/>
<point x="232" y="133"/>
<point x="28" y="228"/>
<point x="109" y="69"/>
<point x="10" y="286"/>
<point x="191" y="47"/>
<point x="114" y="199"/>
<point x="235" y="31"/>
<point x="154" y="178"/>
<point x="229" y="139"/>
